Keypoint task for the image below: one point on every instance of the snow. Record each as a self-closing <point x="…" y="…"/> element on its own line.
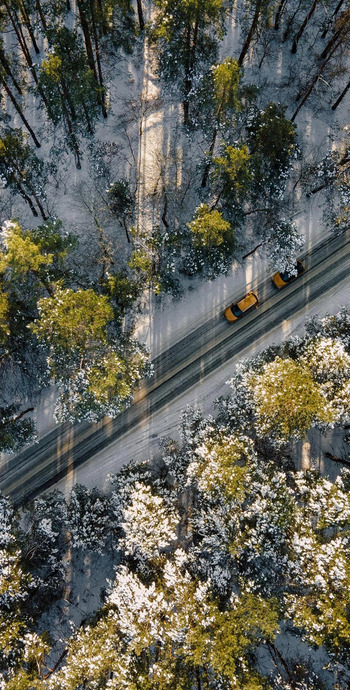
<point x="143" y="441"/>
<point x="147" y="129"/>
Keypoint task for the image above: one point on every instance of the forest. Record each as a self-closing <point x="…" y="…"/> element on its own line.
<point x="145" y="147"/>
<point x="225" y="175"/>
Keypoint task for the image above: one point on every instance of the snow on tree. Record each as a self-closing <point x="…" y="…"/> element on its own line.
<point x="90" y="519"/>
<point x="287" y="400"/>
<point x="209" y="228"/>
<point x="149" y="525"/>
<point x="283" y="245"/>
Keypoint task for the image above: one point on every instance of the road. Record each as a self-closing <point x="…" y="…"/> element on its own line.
<point x="181" y="367"/>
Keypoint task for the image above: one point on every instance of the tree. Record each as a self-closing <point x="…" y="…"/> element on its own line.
<point x="70" y="88"/>
<point x="258" y="11"/>
<point x="73" y="321"/>
<point x="15" y="429"/>
<point x="22" y="170"/>
<point x="334" y="44"/>
<point x="283" y="245"/>
<point x="287" y="400"/>
<point x="271" y="142"/>
<point x="102" y="22"/>
<point x="186" y="34"/>
<point x="121" y="202"/>
<point x="90" y="519"/>
<point x="223" y="87"/>
<point x="95" y="369"/>
<point x="209" y="228"/>
<point x="149" y="525"/>
<point x="232" y="174"/>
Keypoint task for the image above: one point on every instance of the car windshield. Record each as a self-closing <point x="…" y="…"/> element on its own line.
<point x="236" y="311"/>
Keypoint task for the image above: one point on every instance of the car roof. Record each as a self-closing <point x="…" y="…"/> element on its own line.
<point x="247" y="301"/>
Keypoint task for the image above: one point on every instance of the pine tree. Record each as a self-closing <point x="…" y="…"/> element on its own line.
<point x="186" y="33"/>
<point x="22" y="170"/>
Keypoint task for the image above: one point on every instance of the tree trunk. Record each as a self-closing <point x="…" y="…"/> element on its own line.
<point x="24" y="181"/>
<point x="299" y="34"/>
<point x="98" y="59"/>
<point x="340" y="98"/>
<point x="290" y="23"/>
<point x="280" y="9"/>
<point x="338" y="7"/>
<point x="26" y="21"/>
<point x="19" y="416"/>
<point x="19" y="33"/>
<point x="344" y="26"/>
<point x="207" y="167"/>
<point x="140" y="15"/>
<point x="6" y="65"/>
<point x="27" y="198"/>
<point x="41" y="14"/>
<point x="67" y="98"/>
<point x="21" y="114"/>
<point x="313" y="83"/>
<point x="87" y="40"/>
<point x="71" y="133"/>
<point x="251" y="32"/>
<point x="187" y="80"/>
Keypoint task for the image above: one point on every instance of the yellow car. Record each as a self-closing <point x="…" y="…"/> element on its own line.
<point x="282" y="279"/>
<point x="235" y="311"/>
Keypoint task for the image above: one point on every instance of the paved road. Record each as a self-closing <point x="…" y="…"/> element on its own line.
<point x="182" y="366"/>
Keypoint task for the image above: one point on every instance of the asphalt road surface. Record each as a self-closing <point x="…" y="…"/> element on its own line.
<point x="181" y="367"/>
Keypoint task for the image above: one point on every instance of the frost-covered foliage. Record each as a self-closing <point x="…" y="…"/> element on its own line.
<point x="90" y="518"/>
<point x="283" y="247"/>
<point x="149" y="525"/>
<point x="284" y="391"/>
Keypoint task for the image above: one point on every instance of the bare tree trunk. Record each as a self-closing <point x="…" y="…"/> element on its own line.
<point x="340" y="33"/>
<point x="87" y="40"/>
<point x="27" y="198"/>
<point x="21" y="114"/>
<point x="280" y="9"/>
<point x="19" y="416"/>
<point x="340" y="98"/>
<point x="251" y="32"/>
<point x="313" y="83"/>
<point x="140" y="15"/>
<point x="41" y="14"/>
<point x="338" y="7"/>
<point x="290" y="23"/>
<point x="6" y="65"/>
<point x="299" y="33"/>
<point x="26" y="20"/>
<point x="98" y="60"/>
<point x="71" y="133"/>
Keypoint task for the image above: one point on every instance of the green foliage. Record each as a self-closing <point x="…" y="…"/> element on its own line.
<point x="186" y="33"/>
<point x="123" y="290"/>
<point x="4" y="314"/>
<point x="272" y="143"/>
<point x="20" y="169"/>
<point x="21" y="255"/>
<point x="209" y="227"/>
<point x="73" y="321"/>
<point x="120" y="199"/>
<point x="69" y="86"/>
<point x="287" y="399"/>
<point x="226" y="81"/>
<point x="14" y="429"/>
<point x="232" y="172"/>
